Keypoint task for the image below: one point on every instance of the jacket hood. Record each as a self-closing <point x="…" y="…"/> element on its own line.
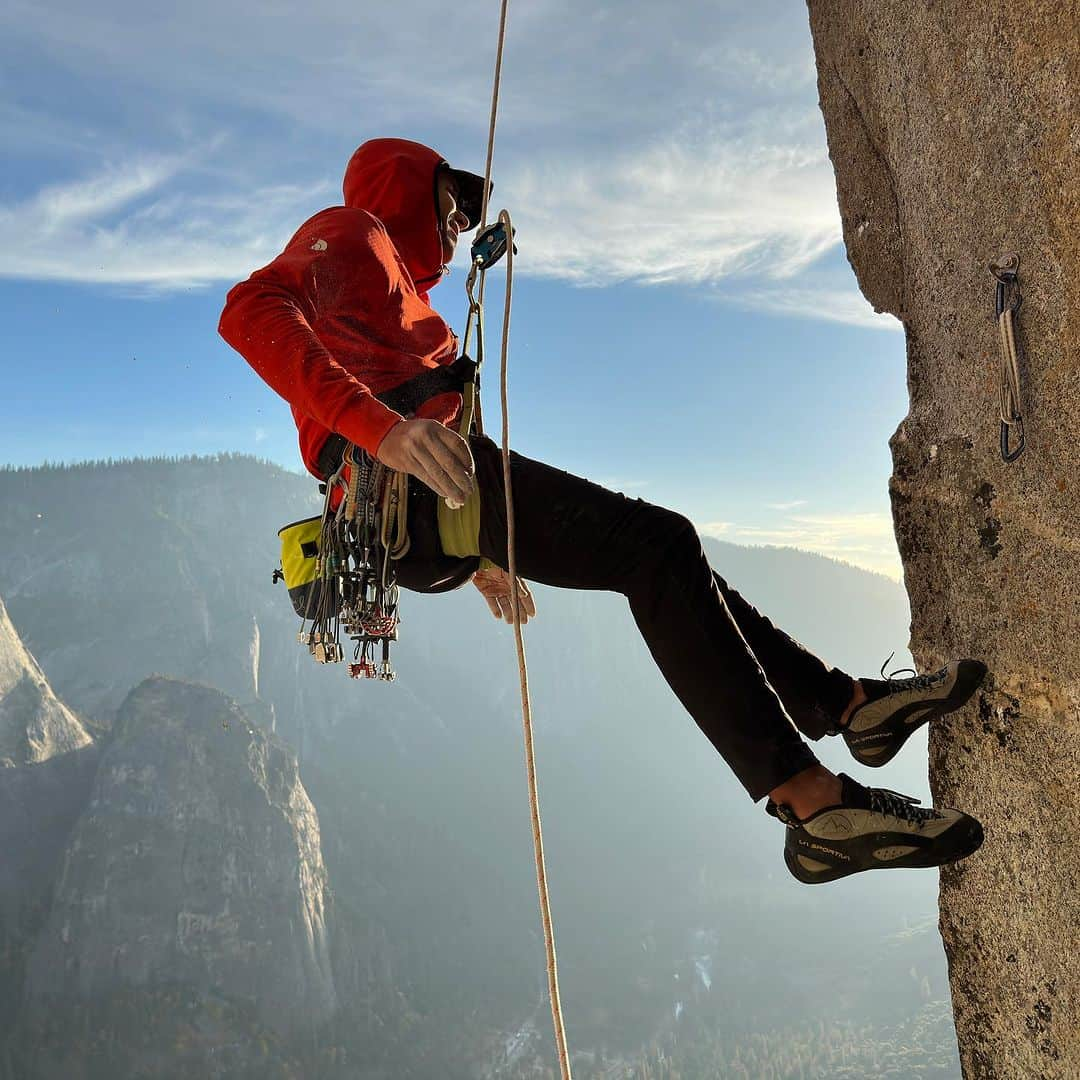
<point x="395" y="180"/>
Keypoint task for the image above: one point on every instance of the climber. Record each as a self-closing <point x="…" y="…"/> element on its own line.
<point x="341" y="319"/>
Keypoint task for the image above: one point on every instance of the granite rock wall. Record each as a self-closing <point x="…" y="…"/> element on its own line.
<point x="954" y="132"/>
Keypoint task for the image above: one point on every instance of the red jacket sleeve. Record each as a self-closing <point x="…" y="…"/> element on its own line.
<point x="268" y="320"/>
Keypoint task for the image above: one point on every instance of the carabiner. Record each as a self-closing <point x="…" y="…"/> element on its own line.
<point x="1006" y="453"/>
<point x="1005" y="272"/>
<point x="1004" y="287"/>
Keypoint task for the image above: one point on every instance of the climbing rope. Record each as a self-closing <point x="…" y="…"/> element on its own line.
<point x="496" y="83"/>
<point x="526" y="708"/>
<point x="1007" y="301"/>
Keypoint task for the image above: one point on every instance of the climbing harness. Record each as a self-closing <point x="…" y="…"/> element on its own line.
<point x="339" y="567"/>
<point x="1007" y="301"/>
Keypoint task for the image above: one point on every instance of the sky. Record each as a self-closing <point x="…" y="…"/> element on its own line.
<point x="686" y="327"/>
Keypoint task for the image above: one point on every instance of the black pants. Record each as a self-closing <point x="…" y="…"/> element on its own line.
<point x="750" y="687"/>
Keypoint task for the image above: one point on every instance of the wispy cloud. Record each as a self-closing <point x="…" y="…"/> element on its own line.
<point x="814" y="302"/>
<point x="747" y="66"/>
<point x="693" y="212"/>
<point x="695" y="208"/>
<point x="643" y="150"/>
<point x="137" y="224"/>
<point x="863" y="539"/>
<point x="61" y="206"/>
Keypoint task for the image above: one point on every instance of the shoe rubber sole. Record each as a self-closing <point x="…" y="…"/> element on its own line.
<point x="967" y="837"/>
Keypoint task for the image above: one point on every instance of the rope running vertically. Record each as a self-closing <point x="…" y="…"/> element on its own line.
<point x="526" y="709"/>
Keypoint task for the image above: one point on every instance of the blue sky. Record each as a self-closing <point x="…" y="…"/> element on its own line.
<point x="686" y="326"/>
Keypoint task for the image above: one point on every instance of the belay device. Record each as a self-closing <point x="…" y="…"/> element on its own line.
<point x="339" y="567"/>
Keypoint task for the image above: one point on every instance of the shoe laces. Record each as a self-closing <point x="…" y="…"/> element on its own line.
<point x="896" y="804"/>
<point x="915" y="682"/>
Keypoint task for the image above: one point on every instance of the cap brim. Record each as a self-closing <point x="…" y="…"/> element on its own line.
<point x="470" y="195"/>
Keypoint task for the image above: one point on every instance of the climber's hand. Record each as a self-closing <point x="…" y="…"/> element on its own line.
<point x="433" y="453"/>
<point x="494" y="584"/>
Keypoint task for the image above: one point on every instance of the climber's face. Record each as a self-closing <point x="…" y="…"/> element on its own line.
<point x="452" y="222"/>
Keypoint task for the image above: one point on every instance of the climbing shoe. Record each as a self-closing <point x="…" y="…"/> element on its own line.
<point x="877" y="729"/>
<point x="873" y="829"/>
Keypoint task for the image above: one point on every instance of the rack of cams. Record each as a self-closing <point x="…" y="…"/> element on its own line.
<point x="339" y="570"/>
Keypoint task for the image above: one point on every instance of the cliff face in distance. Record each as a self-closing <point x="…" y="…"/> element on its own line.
<point x="47" y="764"/>
<point x="954" y="133"/>
<point x="164" y="905"/>
<point x="34" y="724"/>
<point x="196" y="864"/>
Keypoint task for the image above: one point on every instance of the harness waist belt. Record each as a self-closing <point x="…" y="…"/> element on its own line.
<point x="404" y="398"/>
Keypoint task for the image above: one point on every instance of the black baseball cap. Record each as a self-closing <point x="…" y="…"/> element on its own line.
<point x="470" y="193"/>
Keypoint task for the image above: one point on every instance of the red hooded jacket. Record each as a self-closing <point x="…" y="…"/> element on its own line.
<point x="342" y="313"/>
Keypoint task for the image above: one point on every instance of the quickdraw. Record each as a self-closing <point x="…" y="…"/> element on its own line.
<point x="487" y="249"/>
<point x="1007" y="301"/>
